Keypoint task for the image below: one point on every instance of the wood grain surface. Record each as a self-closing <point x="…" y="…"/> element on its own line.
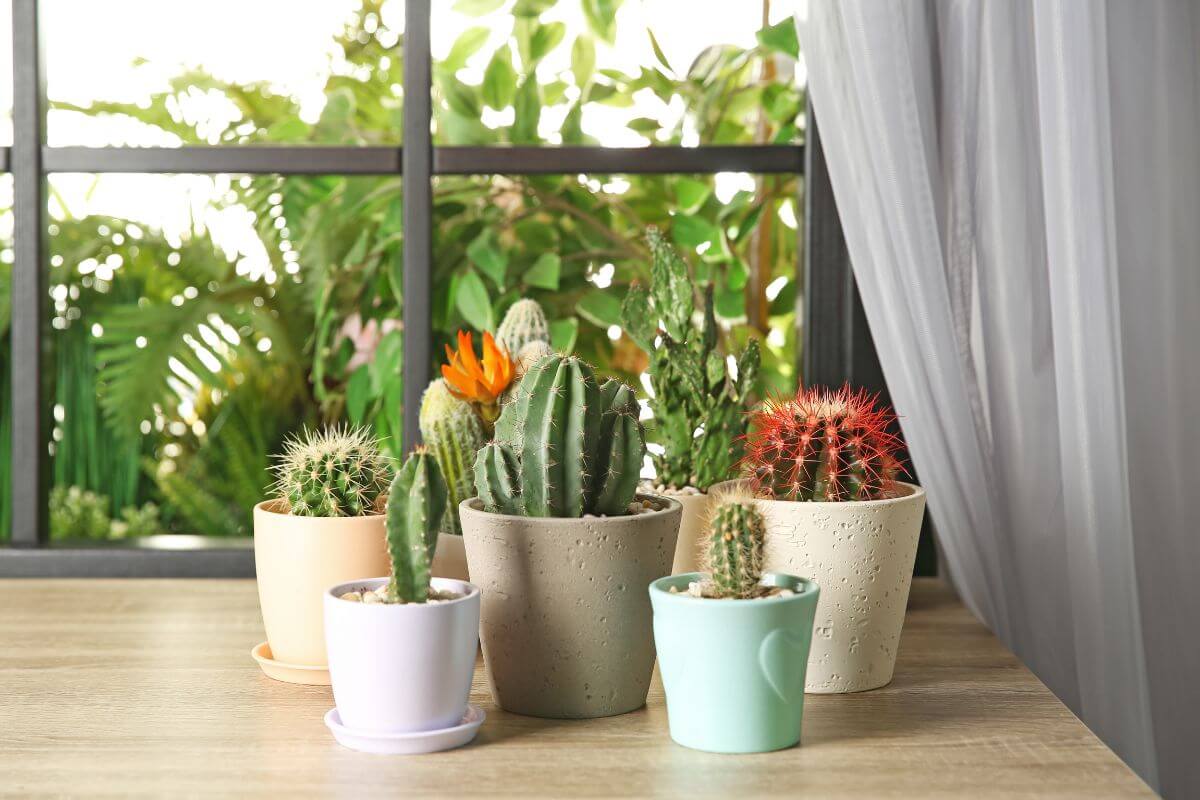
<point x="146" y="687"/>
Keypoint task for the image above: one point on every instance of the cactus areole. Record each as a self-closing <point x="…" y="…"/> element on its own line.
<point x="566" y="445"/>
<point x="823" y="446"/>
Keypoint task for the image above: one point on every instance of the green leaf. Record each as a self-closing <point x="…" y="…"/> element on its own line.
<point x="385" y="364"/>
<point x="563" y="334"/>
<point x="462" y="99"/>
<point x="531" y="8"/>
<point x="358" y="394"/>
<point x="474" y="302"/>
<point x="600" y="308"/>
<point x="658" y="53"/>
<point x="637" y="318"/>
<point x="464" y="47"/>
<point x="583" y="60"/>
<point x="781" y="37"/>
<point x="601" y="16"/>
<point x="730" y="304"/>
<point x="545" y="38"/>
<point x="500" y="79"/>
<point x="488" y="257"/>
<point x="644" y="125"/>
<point x="528" y="108"/>
<point x="545" y="271"/>
<point x="691" y="194"/>
<point x="477" y="8"/>
<point x="690" y="231"/>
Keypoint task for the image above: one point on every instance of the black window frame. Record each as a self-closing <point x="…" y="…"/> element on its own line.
<point x="838" y="346"/>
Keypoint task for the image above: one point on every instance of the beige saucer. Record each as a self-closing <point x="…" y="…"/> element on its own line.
<point x="289" y="673"/>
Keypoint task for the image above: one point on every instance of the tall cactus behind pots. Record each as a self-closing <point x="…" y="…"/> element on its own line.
<point x="454" y="433"/>
<point x="415" y="506"/>
<point x="694" y="387"/>
<point x="523" y="323"/>
<point x="565" y="445"/>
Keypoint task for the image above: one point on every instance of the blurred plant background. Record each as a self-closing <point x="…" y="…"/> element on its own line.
<point x="198" y="320"/>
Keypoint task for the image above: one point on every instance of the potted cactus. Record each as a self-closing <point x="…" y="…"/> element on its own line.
<point x="324" y="525"/>
<point x="459" y="410"/>
<point x="402" y="648"/>
<point x="561" y="545"/>
<point x="733" y="644"/>
<point x="823" y="467"/>
<point x="694" y="389"/>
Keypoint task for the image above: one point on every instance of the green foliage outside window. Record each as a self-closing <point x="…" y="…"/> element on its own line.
<point x="175" y="376"/>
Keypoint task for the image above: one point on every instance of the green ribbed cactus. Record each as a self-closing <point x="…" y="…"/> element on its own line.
<point x="415" y="506"/>
<point x="735" y="547"/>
<point x="338" y="472"/>
<point x="454" y="433"/>
<point x="693" y="385"/>
<point x="524" y="322"/>
<point x="565" y="445"/>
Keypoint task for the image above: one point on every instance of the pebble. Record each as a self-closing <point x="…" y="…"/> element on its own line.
<point x="371" y="597"/>
<point x="380" y="595"/>
<point x="353" y="597"/>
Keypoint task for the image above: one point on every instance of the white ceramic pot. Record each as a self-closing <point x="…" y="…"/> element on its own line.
<point x="861" y="554"/>
<point x="401" y="668"/>
<point x="693" y="532"/>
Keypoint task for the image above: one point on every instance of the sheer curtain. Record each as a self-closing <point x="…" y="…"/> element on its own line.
<point x="1019" y="183"/>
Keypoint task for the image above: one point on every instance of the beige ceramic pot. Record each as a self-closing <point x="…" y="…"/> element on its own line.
<point x="566" y="625"/>
<point x="693" y="532"/>
<point x="861" y="554"/>
<point x="450" y="558"/>
<point x="297" y="559"/>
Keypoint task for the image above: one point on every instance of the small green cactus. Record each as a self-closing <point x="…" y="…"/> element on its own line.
<point x="524" y="322"/>
<point x="735" y="548"/>
<point x="693" y="386"/>
<point x="565" y="445"/>
<point x="454" y="433"/>
<point x="415" y="506"/>
<point x="338" y="472"/>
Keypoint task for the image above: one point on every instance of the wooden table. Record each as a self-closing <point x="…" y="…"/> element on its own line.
<point x="147" y="687"/>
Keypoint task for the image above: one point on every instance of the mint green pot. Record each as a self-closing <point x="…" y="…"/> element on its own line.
<point x="733" y="670"/>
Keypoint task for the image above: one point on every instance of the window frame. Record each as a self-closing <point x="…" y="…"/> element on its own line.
<point x="841" y="348"/>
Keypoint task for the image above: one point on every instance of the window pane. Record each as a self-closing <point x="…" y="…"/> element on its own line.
<point x="153" y="73"/>
<point x="185" y="315"/>
<point x="6" y="265"/>
<point x="575" y="243"/>
<point x="6" y="72"/>
<point x="546" y="71"/>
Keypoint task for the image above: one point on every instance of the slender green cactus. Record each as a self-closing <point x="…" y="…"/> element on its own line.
<point x="415" y="506"/>
<point x="524" y="322"/>
<point x="693" y="385"/>
<point x="454" y="433"/>
<point x="565" y="446"/>
<point x="338" y="472"/>
<point x="735" y="548"/>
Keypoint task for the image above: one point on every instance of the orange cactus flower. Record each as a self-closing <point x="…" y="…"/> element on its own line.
<point x="475" y="381"/>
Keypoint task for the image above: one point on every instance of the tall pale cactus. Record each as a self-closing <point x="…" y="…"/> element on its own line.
<point x="415" y="505"/>
<point x="565" y="445"/>
<point x="734" y="557"/>
<point x="693" y="385"/>
<point x="454" y="433"/>
<point x="338" y="472"/>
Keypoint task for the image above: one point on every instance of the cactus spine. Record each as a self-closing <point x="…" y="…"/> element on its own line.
<point x="694" y="388"/>
<point x="565" y="445"/>
<point x="734" y="557"/>
<point x="415" y="505"/>
<point x="338" y="472"/>
<point x="524" y="322"/>
<point x="822" y="446"/>
<point x="454" y="433"/>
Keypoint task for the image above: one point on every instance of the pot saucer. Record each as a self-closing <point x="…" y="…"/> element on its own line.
<point x="407" y="743"/>
<point x="288" y="673"/>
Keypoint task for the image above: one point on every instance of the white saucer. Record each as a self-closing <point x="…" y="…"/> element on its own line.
<point x="406" y="743"/>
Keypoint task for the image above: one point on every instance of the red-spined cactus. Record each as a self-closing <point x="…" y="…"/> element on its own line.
<point x="822" y="445"/>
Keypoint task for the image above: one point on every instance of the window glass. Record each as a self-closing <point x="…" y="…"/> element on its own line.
<point x="195" y="322"/>
<point x="682" y="72"/>
<point x="154" y="73"/>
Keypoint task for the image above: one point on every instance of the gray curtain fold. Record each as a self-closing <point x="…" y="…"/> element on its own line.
<point x="1019" y="184"/>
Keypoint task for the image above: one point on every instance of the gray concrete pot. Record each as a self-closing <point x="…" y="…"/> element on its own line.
<point x="566" y="625"/>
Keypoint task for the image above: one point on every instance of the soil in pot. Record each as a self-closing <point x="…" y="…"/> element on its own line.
<point x="733" y="670"/>
<point x="566" y="624"/>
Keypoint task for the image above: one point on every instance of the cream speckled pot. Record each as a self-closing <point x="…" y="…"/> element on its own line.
<point x="861" y="554"/>
<point x="296" y="560"/>
<point x="566" y="625"/>
<point x="693" y="532"/>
